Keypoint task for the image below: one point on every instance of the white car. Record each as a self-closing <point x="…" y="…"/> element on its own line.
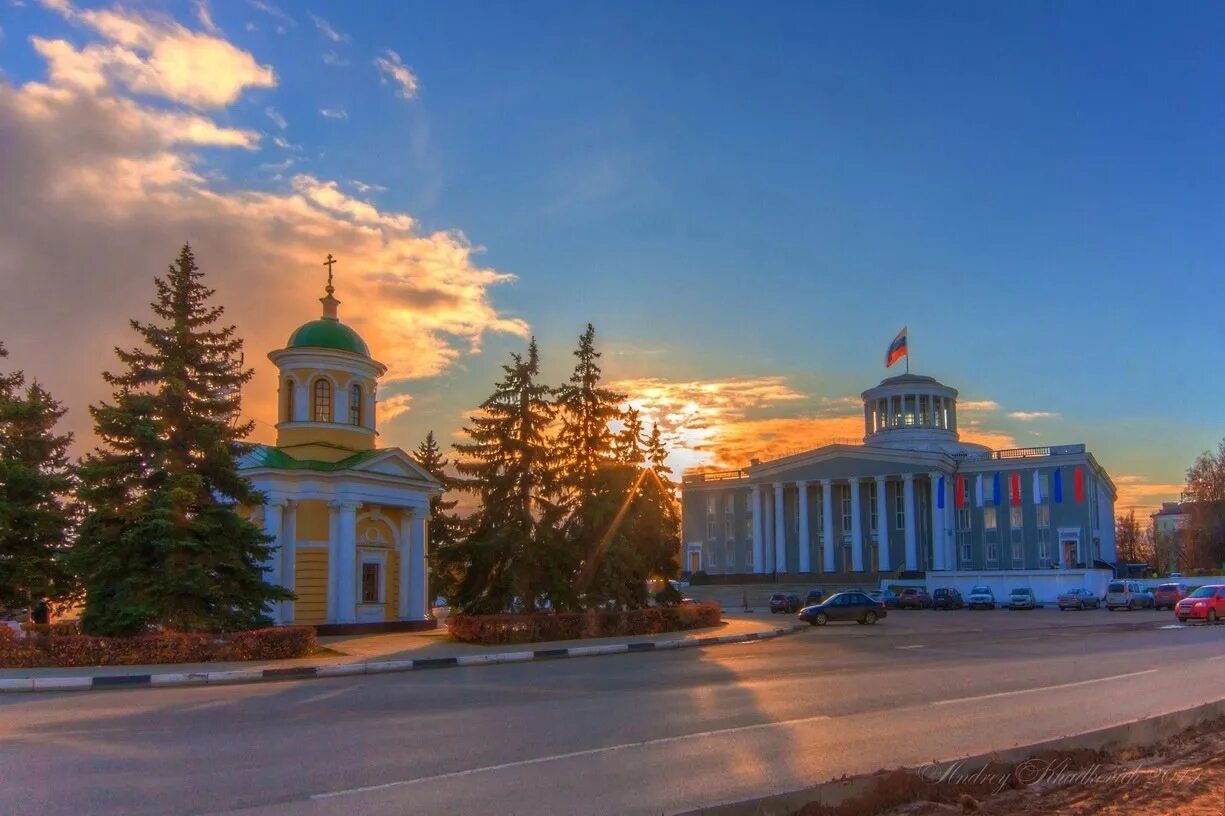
<point x="980" y="597"/>
<point x="1022" y="598"/>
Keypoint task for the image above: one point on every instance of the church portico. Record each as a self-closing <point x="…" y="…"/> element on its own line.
<point x="912" y="498"/>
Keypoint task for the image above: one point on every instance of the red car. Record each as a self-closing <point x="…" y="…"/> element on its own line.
<point x="1206" y="603"/>
<point x="1168" y="595"/>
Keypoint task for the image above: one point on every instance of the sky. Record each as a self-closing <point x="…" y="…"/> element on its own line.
<point x="748" y="201"/>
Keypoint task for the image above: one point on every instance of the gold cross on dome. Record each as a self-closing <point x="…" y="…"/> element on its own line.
<point x="328" y="263"/>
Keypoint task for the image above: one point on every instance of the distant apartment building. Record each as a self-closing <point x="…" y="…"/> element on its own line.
<point x="912" y="496"/>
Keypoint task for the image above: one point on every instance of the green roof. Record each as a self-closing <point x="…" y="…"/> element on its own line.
<point x="270" y="457"/>
<point x="329" y="334"/>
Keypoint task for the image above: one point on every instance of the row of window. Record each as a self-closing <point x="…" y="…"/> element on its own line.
<point x="321" y="404"/>
<point x="1016" y="549"/>
<point x="729" y="524"/>
<point x="911" y="411"/>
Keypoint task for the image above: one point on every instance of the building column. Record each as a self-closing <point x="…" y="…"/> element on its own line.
<point x="413" y="596"/>
<point x="827" y="522"/>
<point x="937" y="523"/>
<point x="759" y="536"/>
<point x="912" y="547"/>
<point x="882" y="525"/>
<point x="780" y="530"/>
<point x="856" y="526"/>
<point x="343" y="549"/>
<point x="272" y="567"/>
<point x="289" y="557"/>
<point x="302" y="408"/>
<point x="805" y="539"/>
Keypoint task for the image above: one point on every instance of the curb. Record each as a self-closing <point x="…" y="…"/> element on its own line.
<point x="217" y="678"/>
<point x="1133" y="734"/>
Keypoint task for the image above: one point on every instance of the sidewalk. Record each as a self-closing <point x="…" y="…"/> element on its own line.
<point x="371" y="654"/>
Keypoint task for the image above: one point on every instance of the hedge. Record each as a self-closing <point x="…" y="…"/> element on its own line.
<point x="55" y="646"/>
<point x="500" y="629"/>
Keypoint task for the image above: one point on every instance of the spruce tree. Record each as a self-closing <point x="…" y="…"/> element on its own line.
<point x="36" y="480"/>
<point x="629" y="440"/>
<point x="444" y="525"/>
<point x="510" y="557"/>
<point x="162" y="541"/>
<point x="585" y="442"/>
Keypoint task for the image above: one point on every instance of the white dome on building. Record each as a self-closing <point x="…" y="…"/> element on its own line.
<point x="914" y="412"/>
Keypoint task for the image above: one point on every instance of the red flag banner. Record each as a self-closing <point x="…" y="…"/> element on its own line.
<point x="960" y="499"/>
<point x="1015" y="489"/>
<point x="1078" y="485"/>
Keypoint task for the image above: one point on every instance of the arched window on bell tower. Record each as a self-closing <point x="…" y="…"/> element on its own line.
<point x="323" y="401"/>
<point x="355" y="405"/>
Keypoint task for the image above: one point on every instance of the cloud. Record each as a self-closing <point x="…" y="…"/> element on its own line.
<point x="326" y="29"/>
<point x="977" y="405"/>
<point x="1030" y="416"/>
<point x="156" y="57"/>
<point x="394" y="406"/>
<point x="334" y="113"/>
<point x="392" y="68"/>
<point x="277" y="167"/>
<point x="1142" y="495"/>
<point x="333" y="59"/>
<point x="111" y="187"/>
<point x="284" y="143"/>
<point x="272" y="11"/>
<point x="276" y="117"/>
<point x="206" y="17"/>
<point x="362" y="187"/>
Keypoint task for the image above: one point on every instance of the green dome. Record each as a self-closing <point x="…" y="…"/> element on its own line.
<point x="330" y="334"/>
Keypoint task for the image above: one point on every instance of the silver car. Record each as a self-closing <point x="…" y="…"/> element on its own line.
<point x="1128" y="595"/>
<point x="1022" y="598"/>
<point x="981" y="597"/>
<point x="1078" y="599"/>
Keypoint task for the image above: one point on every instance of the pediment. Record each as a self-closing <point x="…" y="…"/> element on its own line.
<point x="395" y="462"/>
<point x="843" y="461"/>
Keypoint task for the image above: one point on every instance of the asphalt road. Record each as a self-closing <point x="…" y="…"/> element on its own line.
<point x="633" y="734"/>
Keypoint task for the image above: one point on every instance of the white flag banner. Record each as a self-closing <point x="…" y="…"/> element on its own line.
<point x="1037" y="488"/>
<point x="978" y="491"/>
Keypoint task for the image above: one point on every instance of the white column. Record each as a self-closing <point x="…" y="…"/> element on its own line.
<point x="345" y="550"/>
<point x="882" y="525"/>
<point x="827" y="522"/>
<point x="333" y="561"/>
<point x="340" y="403"/>
<point x="418" y="603"/>
<point x="912" y="547"/>
<point x="780" y="530"/>
<point x="289" y="557"/>
<point x="937" y="523"/>
<point x="272" y="567"/>
<point x="805" y="539"/>
<point x="759" y="535"/>
<point x="856" y="526"/>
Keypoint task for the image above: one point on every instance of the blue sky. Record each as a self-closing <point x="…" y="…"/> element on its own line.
<point x="747" y="191"/>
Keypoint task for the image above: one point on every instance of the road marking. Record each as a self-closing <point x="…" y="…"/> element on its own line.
<point x="915" y="646"/>
<point x="523" y="763"/>
<point x="1218" y="657"/>
<point x="1043" y="688"/>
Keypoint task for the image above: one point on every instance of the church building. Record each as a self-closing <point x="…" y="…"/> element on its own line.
<point x="349" y="519"/>
<point x="912" y="498"/>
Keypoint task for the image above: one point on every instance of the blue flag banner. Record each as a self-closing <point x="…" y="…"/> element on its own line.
<point x="995" y="488"/>
<point x="1057" y="485"/>
<point x="940" y="494"/>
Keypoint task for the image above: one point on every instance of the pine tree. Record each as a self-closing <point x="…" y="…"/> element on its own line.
<point x="585" y="442"/>
<point x="511" y="557"/>
<point x="629" y="441"/>
<point x="36" y="480"/>
<point x="162" y="540"/>
<point x="657" y="454"/>
<point x="444" y="525"/>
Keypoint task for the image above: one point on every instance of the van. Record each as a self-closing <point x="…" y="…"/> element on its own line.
<point x="1127" y="595"/>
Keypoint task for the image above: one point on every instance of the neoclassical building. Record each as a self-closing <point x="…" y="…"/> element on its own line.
<point x="912" y="497"/>
<point x="349" y="519"/>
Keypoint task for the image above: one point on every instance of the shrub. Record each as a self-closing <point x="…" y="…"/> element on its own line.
<point x="669" y="596"/>
<point x="504" y="629"/>
<point x="51" y="648"/>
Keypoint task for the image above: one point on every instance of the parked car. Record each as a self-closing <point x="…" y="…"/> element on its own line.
<point x="815" y="596"/>
<point x="947" y="598"/>
<point x="780" y="602"/>
<point x="887" y="598"/>
<point x="1127" y="595"/>
<point x="981" y="597"/>
<point x="1022" y="598"/>
<point x="1206" y="603"/>
<point x="1078" y="599"/>
<point x="1169" y="595"/>
<point x="844" y="606"/>
<point x="913" y="598"/>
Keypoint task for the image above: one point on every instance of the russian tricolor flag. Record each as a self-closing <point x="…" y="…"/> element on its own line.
<point x="897" y="349"/>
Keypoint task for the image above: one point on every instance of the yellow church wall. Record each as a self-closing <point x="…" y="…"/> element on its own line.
<point x="313" y="522"/>
<point x="311" y="585"/>
<point x="304" y="442"/>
